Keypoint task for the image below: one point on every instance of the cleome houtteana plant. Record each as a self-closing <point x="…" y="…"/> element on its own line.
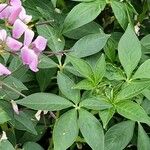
<point x="74" y="75"/>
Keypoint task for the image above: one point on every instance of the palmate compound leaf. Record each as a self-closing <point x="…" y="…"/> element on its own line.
<point x="91" y="130"/>
<point x="132" y="111"/>
<point x="129" y="50"/>
<point x="119" y="135"/>
<point x="82" y="14"/>
<point x="65" y="130"/>
<point x="143" y="139"/>
<point x="45" y="101"/>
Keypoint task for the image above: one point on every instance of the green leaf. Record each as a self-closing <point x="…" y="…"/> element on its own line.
<point x="143" y="71"/>
<point x="131" y="12"/>
<point x="133" y="111"/>
<point x="89" y="45"/>
<point x="99" y="69"/>
<point x="56" y="41"/>
<point x="114" y="73"/>
<point x="119" y="10"/>
<point x="39" y="9"/>
<point x="143" y="139"/>
<point x="28" y="137"/>
<point x="7" y="107"/>
<point x="81" y="66"/>
<point x="145" y="41"/>
<point x="82" y="14"/>
<point x="132" y="89"/>
<point x="129" y="50"/>
<point x="23" y="122"/>
<point x="46" y="62"/>
<point x="146" y="105"/>
<point x="84" y="85"/>
<point x="65" y="130"/>
<point x="119" y="135"/>
<point x="44" y="77"/>
<point x="45" y="101"/>
<point x="54" y="2"/>
<point x="146" y="93"/>
<point x="95" y="104"/>
<point x="89" y="28"/>
<point x="3" y="116"/>
<point x="91" y="130"/>
<point x="106" y="115"/>
<point x="18" y="70"/>
<point x="69" y="68"/>
<point x="30" y="6"/>
<point x="6" y="145"/>
<point x="9" y="85"/>
<point x="31" y="146"/>
<point x="65" y="85"/>
<point x="110" y="48"/>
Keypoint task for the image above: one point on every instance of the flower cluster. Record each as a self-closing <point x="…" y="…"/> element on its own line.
<point x="14" y="14"/>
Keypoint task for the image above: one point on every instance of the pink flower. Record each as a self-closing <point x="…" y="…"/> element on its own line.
<point x="24" y="17"/>
<point x="29" y="57"/>
<point x="5" y="40"/>
<point x="15" y="2"/>
<point x="31" y="51"/>
<point x="10" y="11"/>
<point x="4" y="70"/>
<point x="13" y="11"/>
<point x="19" y="28"/>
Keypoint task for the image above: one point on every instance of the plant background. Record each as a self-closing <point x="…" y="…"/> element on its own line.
<point x="90" y="78"/>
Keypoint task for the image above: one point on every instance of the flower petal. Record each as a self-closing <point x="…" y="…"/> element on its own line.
<point x="33" y="66"/>
<point x="4" y="70"/>
<point x="3" y="35"/>
<point x="24" y="17"/>
<point x="19" y="28"/>
<point x="13" y="44"/>
<point x="28" y="37"/>
<point x="39" y="44"/>
<point x="14" y="15"/>
<point x="27" y="19"/>
<point x="15" y="2"/>
<point x="4" y="11"/>
<point x="29" y="58"/>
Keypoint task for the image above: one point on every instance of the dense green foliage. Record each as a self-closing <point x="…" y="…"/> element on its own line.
<point x="92" y="90"/>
